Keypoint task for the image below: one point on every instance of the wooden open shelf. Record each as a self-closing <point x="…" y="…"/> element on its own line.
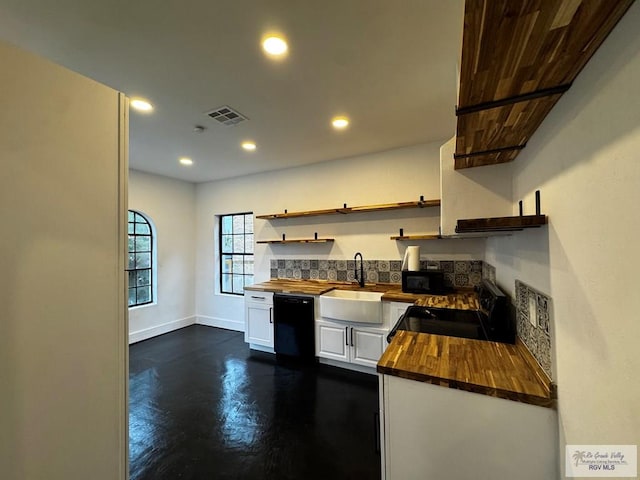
<point x="435" y="236"/>
<point x="518" y="58"/>
<point x="348" y="210"/>
<point x="500" y="224"/>
<point x="300" y="240"/>
<point x="426" y="236"/>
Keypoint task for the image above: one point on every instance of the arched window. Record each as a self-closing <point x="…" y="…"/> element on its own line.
<point x="141" y="260"/>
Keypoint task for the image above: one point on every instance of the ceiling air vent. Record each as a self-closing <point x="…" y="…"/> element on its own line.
<point x="227" y="115"/>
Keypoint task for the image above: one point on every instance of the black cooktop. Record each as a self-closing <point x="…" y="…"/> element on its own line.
<point x="442" y="321"/>
<point x="492" y="322"/>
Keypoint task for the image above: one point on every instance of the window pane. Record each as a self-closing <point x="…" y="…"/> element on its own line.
<point x="132" y="296"/>
<point x="131" y="228"/>
<point x="144" y="295"/>
<point x="227" y="244"/>
<point x="248" y="223"/>
<point x="238" y="244"/>
<point x="132" y="261"/>
<point x="238" y="224"/>
<point x="142" y="228"/>
<point x="226" y="283"/>
<point x="132" y="279"/>
<point x="238" y="284"/>
<point x="140" y="218"/>
<point x="248" y="265"/>
<point x="131" y="243"/>
<point x="226" y="264"/>
<point x="143" y="278"/>
<point x="131" y="215"/>
<point x="143" y="260"/>
<point x="248" y="243"/>
<point x="248" y="280"/>
<point x="227" y="225"/>
<point x="143" y="244"/>
<point x="237" y="264"/>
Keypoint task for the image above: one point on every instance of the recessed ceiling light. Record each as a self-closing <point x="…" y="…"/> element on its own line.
<point x="340" y="123"/>
<point x="141" y="105"/>
<point x="249" y="146"/>
<point x="186" y="161"/>
<point x="275" y="45"/>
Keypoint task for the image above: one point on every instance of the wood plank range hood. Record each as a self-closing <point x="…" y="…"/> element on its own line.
<point x="518" y="58"/>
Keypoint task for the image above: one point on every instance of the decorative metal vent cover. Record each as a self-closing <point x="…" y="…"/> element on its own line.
<point x="227" y="115"/>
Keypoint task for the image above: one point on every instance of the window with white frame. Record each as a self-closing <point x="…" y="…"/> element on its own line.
<point x="236" y="252"/>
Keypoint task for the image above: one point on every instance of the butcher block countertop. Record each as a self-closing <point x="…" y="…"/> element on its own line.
<point x="462" y="299"/>
<point x="490" y="368"/>
<point x="314" y="287"/>
<point x="303" y="287"/>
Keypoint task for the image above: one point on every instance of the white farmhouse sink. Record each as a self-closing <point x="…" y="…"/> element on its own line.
<point x="352" y="306"/>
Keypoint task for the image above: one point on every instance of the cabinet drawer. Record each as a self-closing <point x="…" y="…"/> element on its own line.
<point x="258" y="297"/>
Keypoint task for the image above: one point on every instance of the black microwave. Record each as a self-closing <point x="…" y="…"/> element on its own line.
<point x="423" y="281"/>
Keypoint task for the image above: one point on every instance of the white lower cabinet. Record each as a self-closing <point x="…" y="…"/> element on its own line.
<point x="434" y="432"/>
<point x="332" y="341"/>
<point x="367" y="345"/>
<point x="350" y="343"/>
<point x="258" y="318"/>
<point x="345" y="342"/>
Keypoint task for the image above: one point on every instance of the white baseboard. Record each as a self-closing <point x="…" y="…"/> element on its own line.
<point x="238" y="326"/>
<point x="150" y="332"/>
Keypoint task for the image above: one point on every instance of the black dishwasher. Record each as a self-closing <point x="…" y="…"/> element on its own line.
<point x="294" y="323"/>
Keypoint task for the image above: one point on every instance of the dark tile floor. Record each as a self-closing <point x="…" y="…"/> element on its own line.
<point x="202" y="406"/>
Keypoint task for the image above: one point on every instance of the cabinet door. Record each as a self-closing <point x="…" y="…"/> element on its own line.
<point x="259" y="324"/>
<point x="367" y="345"/>
<point x="332" y="341"/>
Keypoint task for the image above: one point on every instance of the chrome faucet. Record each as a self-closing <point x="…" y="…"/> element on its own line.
<point x="355" y="268"/>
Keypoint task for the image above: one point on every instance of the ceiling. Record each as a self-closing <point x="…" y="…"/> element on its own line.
<point x="388" y="65"/>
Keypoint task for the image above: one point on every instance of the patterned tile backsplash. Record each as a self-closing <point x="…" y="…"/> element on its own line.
<point x="489" y="272"/>
<point x="457" y="273"/>
<point x="536" y="335"/>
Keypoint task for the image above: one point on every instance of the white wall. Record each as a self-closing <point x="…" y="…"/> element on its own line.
<point x="472" y="192"/>
<point x="584" y="159"/>
<point x="170" y="204"/>
<point x="394" y="176"/>
<point x="63" y="356"/>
